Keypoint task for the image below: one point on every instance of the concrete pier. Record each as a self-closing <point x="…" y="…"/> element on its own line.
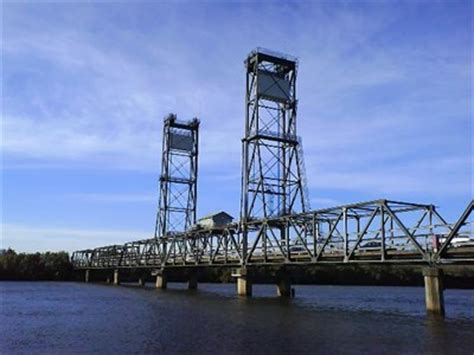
<point x="244" y="284"/>
<point x="141" y="281"/>
<point x="284" y="288"/>
<point x="116" y="277"/>
<point x="161" y="282"/>
<point x="193" y="281"/>
<point x="434" y="291"/>
<point x="87" y="276"/>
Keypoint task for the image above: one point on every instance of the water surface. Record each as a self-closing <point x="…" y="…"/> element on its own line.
<point x="49" y="317"/>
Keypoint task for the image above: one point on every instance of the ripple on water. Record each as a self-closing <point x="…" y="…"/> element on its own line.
<point x="76" y="317"/>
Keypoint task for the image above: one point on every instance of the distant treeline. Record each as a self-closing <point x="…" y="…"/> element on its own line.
<point x="33" y="267"/>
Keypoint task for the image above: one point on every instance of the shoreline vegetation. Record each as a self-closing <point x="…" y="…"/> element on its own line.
<point x="57" y="266"/>
<point x="49" y="266"/>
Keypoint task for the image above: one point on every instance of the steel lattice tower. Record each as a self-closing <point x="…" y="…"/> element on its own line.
<point x="273" y="176"/>
<point x="178" y="180"/>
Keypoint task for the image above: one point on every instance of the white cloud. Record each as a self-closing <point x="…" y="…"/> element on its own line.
<point x="103" y="103"/>
<point x="443" y="176"/>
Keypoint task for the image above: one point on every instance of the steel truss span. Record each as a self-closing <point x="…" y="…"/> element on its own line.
<point x="380" y="231"/>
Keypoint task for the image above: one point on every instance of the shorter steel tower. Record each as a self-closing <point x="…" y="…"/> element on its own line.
<point x="178" y="180"/>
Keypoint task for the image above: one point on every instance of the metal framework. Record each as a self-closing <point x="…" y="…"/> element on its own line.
<point x="178" y="180"/>
<point x="380" y="231"/>
<point x="463" y="229"/>
<point x="273" y="172"/>
<point x="277" y="226"/>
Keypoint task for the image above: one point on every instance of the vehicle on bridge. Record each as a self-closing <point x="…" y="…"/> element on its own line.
<point x="298" y="250"/>
<point x="462" y="241"/>
<point x="375" y="246"/>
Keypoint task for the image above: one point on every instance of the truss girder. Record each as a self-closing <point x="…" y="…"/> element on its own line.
<point x="462" y="229"/>
<point x="379" y="231"/>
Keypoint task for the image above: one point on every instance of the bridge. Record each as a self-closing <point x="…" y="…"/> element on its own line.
<point x="404" y="233"/>
<point x="277" y="228"/>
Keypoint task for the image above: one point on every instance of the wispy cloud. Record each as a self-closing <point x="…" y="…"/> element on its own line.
<point x="113" y="111"/>
<point x="385" y="93"/>
<point x="111" y="117"/>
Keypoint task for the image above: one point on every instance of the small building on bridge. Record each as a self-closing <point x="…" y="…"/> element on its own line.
<point x="215" y="220"/>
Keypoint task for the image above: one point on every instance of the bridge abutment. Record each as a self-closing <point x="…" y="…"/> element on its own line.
<point x="116" y="277"/>
<point x="434" y="291"/>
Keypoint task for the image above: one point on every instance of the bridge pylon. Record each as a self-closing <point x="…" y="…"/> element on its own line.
<point x="178" y="179"/>
<point x="273" y="177"/>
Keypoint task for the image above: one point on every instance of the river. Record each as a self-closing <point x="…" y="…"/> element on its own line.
<point x="60" y="317"/>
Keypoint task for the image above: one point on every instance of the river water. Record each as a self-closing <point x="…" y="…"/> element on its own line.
<point x="65" y="318"/>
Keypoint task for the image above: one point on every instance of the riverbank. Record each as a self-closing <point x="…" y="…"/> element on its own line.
<point x="49" y="266"/>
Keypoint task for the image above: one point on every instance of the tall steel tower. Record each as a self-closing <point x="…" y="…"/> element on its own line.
<point x="273" y="177"/>
<point x="178" y="180"/>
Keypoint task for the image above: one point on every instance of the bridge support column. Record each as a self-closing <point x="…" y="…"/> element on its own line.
<point x="284" y="288"/>
<point x="87" y="275"/>
<point x="193" y="281"/>
<point x="434" y="291"/>
<point x="161" y="282"/>
<point x="244" y="284"/>
<point x="116" y="277"/>
<point x="141" y="281"/>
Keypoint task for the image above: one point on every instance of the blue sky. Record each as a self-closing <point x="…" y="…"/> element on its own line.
<point x="385" y="107"/>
